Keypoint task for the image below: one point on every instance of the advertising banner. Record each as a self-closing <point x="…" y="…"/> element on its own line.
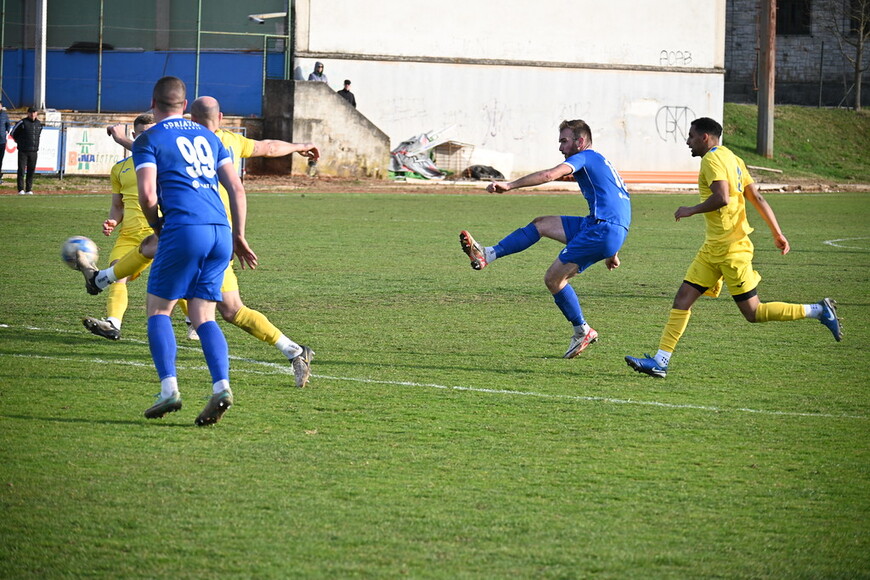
<point x="48" y="160"/>
<point x="90" y="151"/>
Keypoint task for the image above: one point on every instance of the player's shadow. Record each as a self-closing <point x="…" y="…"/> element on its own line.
<point x="96" y="421"/>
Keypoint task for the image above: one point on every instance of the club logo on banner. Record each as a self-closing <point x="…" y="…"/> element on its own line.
<point x="90" y="151"/>
<point x="85" y="157"/>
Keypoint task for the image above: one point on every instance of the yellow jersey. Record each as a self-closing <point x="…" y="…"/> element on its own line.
<point x="727" y="224"/>
<point x="240" y="147"/>
<point x="124" y="182"/>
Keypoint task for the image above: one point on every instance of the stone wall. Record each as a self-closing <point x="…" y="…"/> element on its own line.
<point x="808" y="67"/>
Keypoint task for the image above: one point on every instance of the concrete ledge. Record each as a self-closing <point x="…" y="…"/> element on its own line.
<point x="310" y="112"/>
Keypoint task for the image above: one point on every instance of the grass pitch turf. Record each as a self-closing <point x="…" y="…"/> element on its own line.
<point x="441" y="435"/>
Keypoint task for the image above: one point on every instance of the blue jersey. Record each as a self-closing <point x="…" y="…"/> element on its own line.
<point x="602" y="187"/>
<point x="186" y="156"/>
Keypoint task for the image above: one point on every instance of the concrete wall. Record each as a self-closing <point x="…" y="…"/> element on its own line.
<point x="504" y="77"/>
<point x="350" y="144"/>
<point x="617" y="32"/>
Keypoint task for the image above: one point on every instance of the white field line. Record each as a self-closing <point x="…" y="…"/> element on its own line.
<point x="837" y="244"/>
<point x="276" y="368"/>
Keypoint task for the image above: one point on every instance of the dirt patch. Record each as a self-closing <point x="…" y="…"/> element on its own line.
<point x="325" y="184"/>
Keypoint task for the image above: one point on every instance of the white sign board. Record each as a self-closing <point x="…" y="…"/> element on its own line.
<point x="49" y="153"/>
<point x="90" y="151"/>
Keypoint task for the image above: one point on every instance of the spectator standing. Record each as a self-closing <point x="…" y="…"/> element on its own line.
<point x="317" y="75"/>
<point x="347" y="95"/>
<point x="26" y="134"/>
<point x="5" y="126"/>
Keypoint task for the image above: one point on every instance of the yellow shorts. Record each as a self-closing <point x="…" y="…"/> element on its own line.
<point x="231" y="282"/>
<point x="126" y="242"/>
<point x="733" y="263"/>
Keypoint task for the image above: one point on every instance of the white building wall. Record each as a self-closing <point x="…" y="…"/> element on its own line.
<point x="505" y="74"/>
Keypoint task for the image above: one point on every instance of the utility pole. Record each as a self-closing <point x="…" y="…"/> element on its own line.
<point x="39" y="54"/>
<point x="766" y="76"/>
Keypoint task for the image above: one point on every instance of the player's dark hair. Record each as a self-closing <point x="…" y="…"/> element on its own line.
<point x="169" y="94"/>
<point x="579" y="128"/>
<point x="707" y="125"/>
<point x="144" y="119"/>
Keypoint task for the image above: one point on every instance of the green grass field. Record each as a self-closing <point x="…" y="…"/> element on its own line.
<point x="441" y="435"/>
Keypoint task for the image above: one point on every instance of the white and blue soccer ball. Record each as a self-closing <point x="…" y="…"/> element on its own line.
<point x="79" y="243"/>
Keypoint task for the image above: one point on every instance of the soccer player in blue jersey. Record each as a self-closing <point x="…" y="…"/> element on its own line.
<point x="178" y="166"/>
<point x="588" y="240"/>
<point x="206" y="111"/>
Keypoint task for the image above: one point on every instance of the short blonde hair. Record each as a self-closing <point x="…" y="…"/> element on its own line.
<point x="578" y="127"/>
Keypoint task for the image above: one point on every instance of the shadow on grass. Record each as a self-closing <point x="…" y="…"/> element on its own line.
<point x="95" y="421"/>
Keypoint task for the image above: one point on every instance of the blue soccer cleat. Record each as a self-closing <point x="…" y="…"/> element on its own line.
<point x="829" y="318"/>
<point x="647" y="366"/>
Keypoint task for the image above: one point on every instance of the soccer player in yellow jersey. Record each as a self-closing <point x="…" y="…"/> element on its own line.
<point x="206" y="111"/>
<point x="125" y="211"/>
<point x="725" y="185"/>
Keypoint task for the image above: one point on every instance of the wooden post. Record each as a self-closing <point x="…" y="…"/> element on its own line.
<point x="766" y="77"/>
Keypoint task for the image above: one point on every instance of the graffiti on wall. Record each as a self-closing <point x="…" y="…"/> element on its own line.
<point x="672" y="123"/>
<point x="675" y="58"/>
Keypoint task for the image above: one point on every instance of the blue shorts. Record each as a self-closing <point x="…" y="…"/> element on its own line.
<point x="190" y="262"/>
<point x="590" y="240"/>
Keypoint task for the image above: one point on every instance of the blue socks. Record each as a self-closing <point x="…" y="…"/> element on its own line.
<point x="161" y="340"/>
<point x="214" y="347"/>
<point x="567" y="301"/>
<point x="517" y="241"/>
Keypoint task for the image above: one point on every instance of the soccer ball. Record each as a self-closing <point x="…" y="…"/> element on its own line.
<point x="72" y="245"/>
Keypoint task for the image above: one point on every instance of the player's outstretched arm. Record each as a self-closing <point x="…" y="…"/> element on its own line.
<point x="116" y="132"/>
<point x="532" y="179"/>
<point x="766" y="212"/>
<point x="277" y="148"/>
<point x="239" y="210"/>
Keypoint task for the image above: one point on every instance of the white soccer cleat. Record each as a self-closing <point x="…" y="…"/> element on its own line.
<point x="580" y="342"/>
<point x="102" y="327"/>
<point x="473" y="250"/>
<point x="302" y="366"/>
<point x="191" y="332"/>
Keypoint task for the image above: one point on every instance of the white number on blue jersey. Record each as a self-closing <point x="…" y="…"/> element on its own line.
<point x="199" y="156"/>
<point x="618" y="179"/>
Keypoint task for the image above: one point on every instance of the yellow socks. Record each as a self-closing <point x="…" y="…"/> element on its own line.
<point x="677" y="323"/>
<point x="131" y="264"/>
<point x="257" y="325"/>
<point x="779" y="311"/>
<point x="116" y="305"/>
